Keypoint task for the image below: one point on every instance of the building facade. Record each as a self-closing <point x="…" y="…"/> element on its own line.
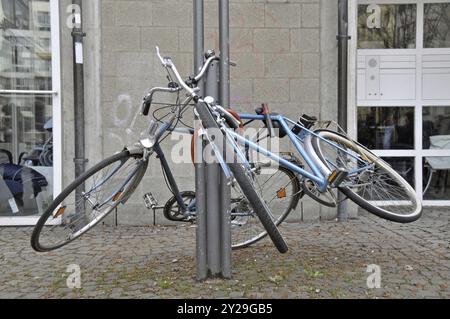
<point x="286" y="54"/>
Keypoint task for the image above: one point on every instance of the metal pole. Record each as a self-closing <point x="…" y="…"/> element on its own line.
<point x="78" y="78"/>
<point x="199" y="39"/>
<point x="343" y="37"/>
<point x="213" y="203"/>
<point x="224" y="96"/>
<point x="224" y="44"/>
<point x="213" y="195"/>
<point x="200" y="169"/>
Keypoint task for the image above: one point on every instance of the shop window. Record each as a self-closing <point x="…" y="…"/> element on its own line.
<point x="26" y="140"/>
<point x="436" y="127"/>
<point x="436" y="181"/>
<point x="385" y="128"/>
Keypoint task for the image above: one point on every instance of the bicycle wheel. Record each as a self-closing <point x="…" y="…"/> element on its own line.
<point x="378" y="188"/>
<point x="105" y="185"/>
<point x="281" y="192"/>
<point x="172" y="210"/>
<point x="243" y="178"/>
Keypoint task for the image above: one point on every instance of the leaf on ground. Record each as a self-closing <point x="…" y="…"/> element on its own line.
<point x="276" y="279"/>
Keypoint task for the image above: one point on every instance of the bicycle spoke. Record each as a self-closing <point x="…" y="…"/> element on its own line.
<point x="102" y="191"/>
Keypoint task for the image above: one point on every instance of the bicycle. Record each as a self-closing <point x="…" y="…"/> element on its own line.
<point x="121" y="174"/>
<point x="333" y="161"/>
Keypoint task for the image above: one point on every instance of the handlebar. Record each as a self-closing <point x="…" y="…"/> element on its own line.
<point x="149" y="97"/>
<point x="167" y="63"/>
<point x="205" y="67"/>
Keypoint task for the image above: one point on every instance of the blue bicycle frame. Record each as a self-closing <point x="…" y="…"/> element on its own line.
<point x="316" y="175"/>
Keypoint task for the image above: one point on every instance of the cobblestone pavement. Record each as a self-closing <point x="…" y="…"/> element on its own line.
<point x="326" y="260"/>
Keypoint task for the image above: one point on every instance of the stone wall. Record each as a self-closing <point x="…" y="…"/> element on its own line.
<point x="286" y="53"/>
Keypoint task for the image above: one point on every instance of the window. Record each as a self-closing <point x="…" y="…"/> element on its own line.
<point x="404" y="166"/>
<point x="403" y="90"/>
<point x="25" y="115"/>
<point x="436" y="180"/>
<point x="436" y="25"/>
<point x="43" y="19"/>
<point x="436" y="127"/>
<point x="384" y="128"/>
<point x="387" y="26"/>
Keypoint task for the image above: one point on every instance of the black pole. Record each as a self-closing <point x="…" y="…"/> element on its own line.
<point x="78" y="79"/>
<point x="342" y="38"/>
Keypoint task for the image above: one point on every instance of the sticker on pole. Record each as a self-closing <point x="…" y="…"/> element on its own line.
<point x="13" y="205"/>
<point x="79" y="53"/>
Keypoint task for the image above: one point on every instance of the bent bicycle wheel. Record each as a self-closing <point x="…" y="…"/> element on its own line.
<point x="374" y="184"/>
<point x="102" y="189"/>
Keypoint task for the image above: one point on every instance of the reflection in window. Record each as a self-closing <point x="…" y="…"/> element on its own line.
<point x="22" y="123"/>
<point x="436" y="127"/>
<point x="387" y="26"/>
<point x="24" y="191"/>
<point x="436" y="25"/>
<point x="386" y="127"/>
<point x="26" y="154"/>
<point x="25" y="50"/>
<point x="404" y="166"/>
<point x="26" y="142"/>
<point x="436" y="184"/>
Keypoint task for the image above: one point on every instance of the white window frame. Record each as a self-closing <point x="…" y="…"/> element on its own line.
<point x="418" y="153"/>
<point x="57" y="117"/>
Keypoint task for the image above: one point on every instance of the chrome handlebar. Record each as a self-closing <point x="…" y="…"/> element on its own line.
<point x="167" y="63"/>
<point x="205" y="67"/>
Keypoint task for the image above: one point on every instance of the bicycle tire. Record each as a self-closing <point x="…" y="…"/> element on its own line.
<point x="35" y="243"/>
<point x="379" y="164"/>
<point x="244" y="182"/>
<point x="168" y="210"/>
<point x="292" y="205"/>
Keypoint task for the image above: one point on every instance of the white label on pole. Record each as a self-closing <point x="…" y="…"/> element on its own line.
<point x="77" y="17"/>
<point x="13" y="205"/>
<point x="79" y="52"/>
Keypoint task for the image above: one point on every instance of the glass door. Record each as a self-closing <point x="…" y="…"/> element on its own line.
<point x="29" y="101"/>
<point x="403" y="96"/>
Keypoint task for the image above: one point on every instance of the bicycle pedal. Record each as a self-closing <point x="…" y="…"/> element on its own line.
<point x="150" y="201"/>
<point x="190" y="219"/>
<point x="337" y="177"/>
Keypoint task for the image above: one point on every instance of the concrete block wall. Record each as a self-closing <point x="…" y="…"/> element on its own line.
<point x="286" y="53"/>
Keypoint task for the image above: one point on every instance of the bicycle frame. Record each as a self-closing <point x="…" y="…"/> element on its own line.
<point x="316" y="175"/>
<point x="166" y="168"/>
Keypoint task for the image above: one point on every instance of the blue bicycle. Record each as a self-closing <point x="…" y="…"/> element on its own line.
<point x="330" y="161"/>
